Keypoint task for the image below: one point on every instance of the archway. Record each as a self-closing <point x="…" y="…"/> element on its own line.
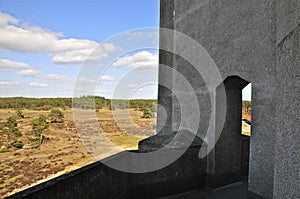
<point x="225" y="162"/>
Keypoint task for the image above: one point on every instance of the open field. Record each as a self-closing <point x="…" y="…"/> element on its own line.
<point x="63" y="150"/>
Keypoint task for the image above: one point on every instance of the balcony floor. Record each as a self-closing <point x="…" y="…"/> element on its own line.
<point x="232" y="191"/>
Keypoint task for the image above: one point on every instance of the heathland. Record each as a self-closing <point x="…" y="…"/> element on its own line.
<point x="39" y="138"/>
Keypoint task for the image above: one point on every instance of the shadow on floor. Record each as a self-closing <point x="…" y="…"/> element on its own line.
<point x="233" y="191"/>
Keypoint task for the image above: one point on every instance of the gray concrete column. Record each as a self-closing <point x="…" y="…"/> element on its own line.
<point x="224" y="165"/>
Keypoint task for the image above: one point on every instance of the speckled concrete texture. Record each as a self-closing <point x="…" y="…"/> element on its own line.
<point x="245" y="38"/>
<point x="287" y="156"/>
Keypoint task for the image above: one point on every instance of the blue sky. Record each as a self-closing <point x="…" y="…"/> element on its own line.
<point x="46" y="46"/>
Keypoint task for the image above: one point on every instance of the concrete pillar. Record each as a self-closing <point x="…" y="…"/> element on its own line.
<point x="165" y="78"/>
<point x="224" y="165"/>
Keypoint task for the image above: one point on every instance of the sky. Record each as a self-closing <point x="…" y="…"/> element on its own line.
<point x="79" y="47"/>
<point x="44" y="46"/>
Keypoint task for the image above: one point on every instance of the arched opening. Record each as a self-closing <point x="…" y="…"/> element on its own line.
<point x="246" y="110"/>
<point x="246" y="130"/>
<point x="228" y="163"/>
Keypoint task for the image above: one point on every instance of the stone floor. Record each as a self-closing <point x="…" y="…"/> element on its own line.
<point x="233" y="191"/>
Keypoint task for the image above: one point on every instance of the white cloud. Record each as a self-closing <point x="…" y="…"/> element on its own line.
<point x="143" y="60"/>
<point x="4" y="63"/>
<point x="83" y="80"/>
<point x="133" y="86"/>
<point x="68" y="51"/>
<point x="107" y="78"/>
<point x="143" y="34"/>
<point x="25" y="38"/>
<point x="109" y="47"/>
<point x="30" y="73"/>
<point x="8" y="83"/>
<point x="5" y="19"/>
<point x="58" y="77"/>
<point x="39" y="85"/>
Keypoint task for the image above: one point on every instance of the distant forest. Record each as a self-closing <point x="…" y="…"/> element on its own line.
<point x="85" y="102"/>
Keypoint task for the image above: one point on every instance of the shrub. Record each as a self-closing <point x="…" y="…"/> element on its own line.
<point x="34" y="142"/>
<point x="20" y="114"/>
<point x="56" y="116"/>
<point x="11" y="127"/>
<point x="11" y="122"/>
<point x="39" y="125"/>
<point x="147" y="113"/>
<point x="17" y="144"/>
<point x="4" y="150"/>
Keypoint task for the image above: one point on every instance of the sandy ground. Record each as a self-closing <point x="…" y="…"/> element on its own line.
<point x="246" y="129"/>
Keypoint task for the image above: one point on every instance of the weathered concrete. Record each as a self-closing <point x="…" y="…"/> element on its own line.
<point x="99" y="181"/>
<point x="288" y="17"/>
<point x="287" y="155"/>
<point x="164" y="118"/>
<point x="93" y="181"/>
<point x="245" y="39"/>
<point x="240" y="37"/>
<point x="226" y="157"/>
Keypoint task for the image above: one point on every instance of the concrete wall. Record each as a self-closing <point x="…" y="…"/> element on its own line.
<point x="240" y="36"/>
<point x="245" y="39"/>
<point x="164" y="122"/>
<point x="287" y="155"/>
<point x="100" y="181"/>
<point x="93" y="181"/>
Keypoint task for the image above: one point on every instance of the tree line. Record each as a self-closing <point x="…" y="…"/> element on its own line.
<point x="84" y="102"/>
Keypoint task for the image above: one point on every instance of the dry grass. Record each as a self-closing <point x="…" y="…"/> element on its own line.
<point x="64" y="151"/>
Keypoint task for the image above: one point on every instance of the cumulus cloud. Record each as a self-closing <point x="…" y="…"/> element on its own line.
<point x="5" y="19"/>
<point x="8" y="83"/>
<point x="30" y="73"/>
<point x="107" y="78"/>
<point x="70" y="51"/>
<point x="83" y="80"/>
<point x="143" y="60"/>
<point x="58" y="77"/>
<point x="25" y="38"/>
<point x="4" y="63"/>
<point x="39" y="85"/>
